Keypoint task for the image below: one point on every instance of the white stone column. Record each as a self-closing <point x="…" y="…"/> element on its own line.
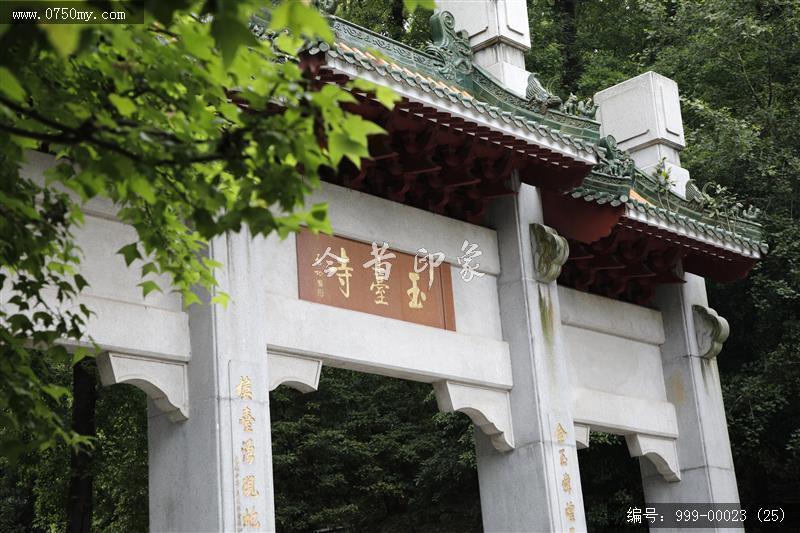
<point x="694" y="334"/>
<point x="199" y="468"/>
<point x="499" y="36"/>
<point x="536" y="486"/>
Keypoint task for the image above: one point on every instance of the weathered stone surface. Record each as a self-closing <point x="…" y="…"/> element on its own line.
<point x="551" y="252"/>
<point x="711" y="331"/>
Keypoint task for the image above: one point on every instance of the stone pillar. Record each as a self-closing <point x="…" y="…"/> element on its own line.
<point x="536" y="486"/>
<point x="644" y="115"/>
<point x="499" y="36"/>
<point x="694" y="335"/>
<point x="200" y="468"/>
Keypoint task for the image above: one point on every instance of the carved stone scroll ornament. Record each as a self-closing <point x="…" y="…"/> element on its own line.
<point x="163" y="381"/>
<point x="451" y="47"/>
<point x="661" y="451"/>
<point x="550" y="252"/>
<point x="489" y="409"/>
<point x="711" y="331"/>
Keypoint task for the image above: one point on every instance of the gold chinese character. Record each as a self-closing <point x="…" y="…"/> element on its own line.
<point x="569" y="511"/>
<point x="415" y="293"/>
<point x="379" y="287"/>
<point x="343" y="272"/>
<point x="249" y="486"/>
<point x="566" y="483"/>
<point x="244" y="389"/>
<point x="248" y="451"/>
<point x="247" y="419"/>
<point x="561" y="433"/>
<point x="562" y="457"/>
<point x="250" y="519"/>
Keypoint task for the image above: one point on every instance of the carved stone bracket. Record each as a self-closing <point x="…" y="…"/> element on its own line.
<point x="301" y="373"/>
<point x="550" y="252"/>
<point x="581" y="436"/>
<point x="163" y="381"/>
<point x="661" y="451"/>
<point x="489" y="409"/>
<point x="711" y="331"/>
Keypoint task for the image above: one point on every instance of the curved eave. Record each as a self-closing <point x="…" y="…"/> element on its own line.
<point x="681" y="226"/>
<point x="418" y="88"/>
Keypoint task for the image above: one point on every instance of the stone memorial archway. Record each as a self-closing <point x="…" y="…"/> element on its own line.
<point x="564" y="290"/>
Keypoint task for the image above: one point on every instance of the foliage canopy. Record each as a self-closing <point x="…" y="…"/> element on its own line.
<point x="189" y="125"/>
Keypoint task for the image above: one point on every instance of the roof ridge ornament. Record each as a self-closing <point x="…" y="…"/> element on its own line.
<point x="582" y="108"/>
<point x="614" y="161"/>
<point x="538" y="95"/>
<point x="326" y="6"/>
<point x="450" y="47"/>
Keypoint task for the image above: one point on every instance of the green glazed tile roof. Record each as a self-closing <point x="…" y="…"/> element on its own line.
<point x="445" y="70"/>
<point x="616" y="181"/>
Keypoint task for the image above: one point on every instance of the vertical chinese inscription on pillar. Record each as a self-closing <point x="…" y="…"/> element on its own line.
<point x="560" y="433"/>
<point x="566" y="483"/>
<point x="248" y="452"/>
<point x="569" y="511"/>
<point x="247" y="417"/>
<point x="373" y="278"/>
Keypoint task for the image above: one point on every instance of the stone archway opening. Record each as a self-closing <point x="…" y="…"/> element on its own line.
<point x="611" y="483"/>
<point x="368" y="452"/>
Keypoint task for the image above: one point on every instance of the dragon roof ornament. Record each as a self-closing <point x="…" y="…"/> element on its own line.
<point x="451" y="47"/>
<point x="537" y="93"/>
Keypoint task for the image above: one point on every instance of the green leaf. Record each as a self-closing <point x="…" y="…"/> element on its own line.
<point x="413" y="5"/>
<point x="190" y="298"/>
<point x="10" y="86"/>
<point x="142" y="187"/>
<point x="230" y="33"/>
<point x="148" y="286"/>
<point x="63" y="37"/>
<point x="130" y="252"/>
<point x="300" y="19"/>
<point x="124" y="105"/>
<point x="384" y="95"/>
<point x="221" y="298"/>
<point x="80" y="282"/>
<point x="149" y="268"/>
<point x="352" y="142"/>
<point x="55" y="391"/>
<point x="341" y="145"/>
<point x="79" y="354"/>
